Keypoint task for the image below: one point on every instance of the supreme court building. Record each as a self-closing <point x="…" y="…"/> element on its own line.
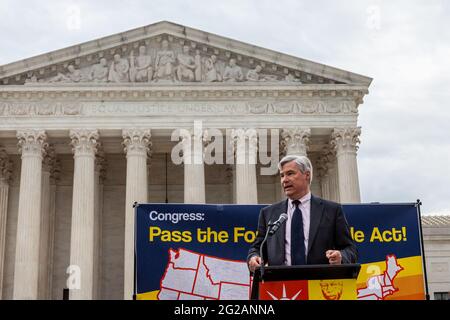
<point x="87" y="130"/>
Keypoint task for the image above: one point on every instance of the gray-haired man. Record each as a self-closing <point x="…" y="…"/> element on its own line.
<point x="315" y="232"/>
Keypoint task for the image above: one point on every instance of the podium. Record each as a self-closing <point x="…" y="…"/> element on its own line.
<point x="307" y="282"/>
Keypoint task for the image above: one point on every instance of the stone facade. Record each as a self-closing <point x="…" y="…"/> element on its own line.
<point x="106" y="111"/>
<point x="436" y="236"/>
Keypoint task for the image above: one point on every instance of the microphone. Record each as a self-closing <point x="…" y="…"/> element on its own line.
<point x="277" y="224"/>
<point x="272" y="228"/>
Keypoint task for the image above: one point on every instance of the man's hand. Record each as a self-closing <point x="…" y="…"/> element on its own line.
<point x="254" y="263"/>
<point x="334" y="256"/>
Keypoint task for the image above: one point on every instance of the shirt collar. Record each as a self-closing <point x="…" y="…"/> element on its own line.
<point x="303" y="200"/>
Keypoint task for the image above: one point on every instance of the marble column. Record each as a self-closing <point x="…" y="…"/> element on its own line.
<point x="26" y="269"/>
<point x="137" y="146"/>
<point x="295" y="141"/>
<point x="194" y="170"/>
<point x="5" y="175"/>
<point x="345" y="142"/>
<point x="99" y="177"/>
<point x="84" y="142"/>
<point x="47" y="224"/>
<point x="245" y="149"/>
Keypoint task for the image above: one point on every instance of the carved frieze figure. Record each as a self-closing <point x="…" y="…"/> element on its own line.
<point x="99" y="71"/>
<point x="258" y="107"/>
<point x="186" y="65"/>
<point x="74" y="75"/>
<point x="141" y="68"/>
<point x="20" y="110"/>
<point x="198" y="66"/>
<point x="71" y="110"/>
<point x="290" y="78"/>
<point x="165" y="60"/>
<point x="233" y="72"/>
<point x="254" y="75"/>
<point x="212" y="71"/>
<point x="118" y="72"/>
<point x="3" y="109"/>
<point x="45" y="110"/>
<point x="31" y="79"/>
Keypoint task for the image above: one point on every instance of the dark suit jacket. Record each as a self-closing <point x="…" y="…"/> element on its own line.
<point x="328" y="230"/>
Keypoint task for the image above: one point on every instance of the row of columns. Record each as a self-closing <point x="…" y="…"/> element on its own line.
<point x="32" y="278"/>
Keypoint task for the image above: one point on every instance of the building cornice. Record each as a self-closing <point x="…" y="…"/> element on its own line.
<point x="182" y="91"/>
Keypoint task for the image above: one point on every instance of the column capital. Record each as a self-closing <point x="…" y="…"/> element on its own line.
<point x="345" y="140"/>
<point x="5" y="166"/>
<point x="295" y="141"/>
<point x="239" y="137"/>
<point x="188" y="136"/>
<point x="193" y="142"/>
<point x="137" y="142"/>
<point x="84" y="142"/>
<point x="32" y="142"/>
<point x="244" y="134"/>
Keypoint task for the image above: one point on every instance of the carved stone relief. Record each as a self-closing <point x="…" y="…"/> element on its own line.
<point x="40" y="109"/>
<point x="307" y="107"/>
<point x="159" y="60"/>
<point x="16" y="109"/>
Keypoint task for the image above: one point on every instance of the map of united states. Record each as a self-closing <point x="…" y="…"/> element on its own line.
<point x="195" y="276"/>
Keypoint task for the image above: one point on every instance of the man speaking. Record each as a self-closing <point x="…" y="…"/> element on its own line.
<point x="314" y="231"/>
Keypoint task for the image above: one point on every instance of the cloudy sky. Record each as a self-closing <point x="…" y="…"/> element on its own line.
<point x="403" y="45"/>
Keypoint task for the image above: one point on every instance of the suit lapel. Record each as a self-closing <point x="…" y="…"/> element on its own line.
<point x="281" y="234"/>
<point x="315" y="217"/>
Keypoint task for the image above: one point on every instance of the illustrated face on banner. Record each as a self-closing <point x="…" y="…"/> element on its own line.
<point x="332" y="289"/>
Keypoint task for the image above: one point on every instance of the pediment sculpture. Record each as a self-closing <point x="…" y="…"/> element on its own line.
<point x="162" y="64"/>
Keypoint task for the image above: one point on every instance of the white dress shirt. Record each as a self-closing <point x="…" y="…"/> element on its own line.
<point x="305" y="207"/>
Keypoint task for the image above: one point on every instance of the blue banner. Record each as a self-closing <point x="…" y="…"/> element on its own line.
<point x="199" y="251"/>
